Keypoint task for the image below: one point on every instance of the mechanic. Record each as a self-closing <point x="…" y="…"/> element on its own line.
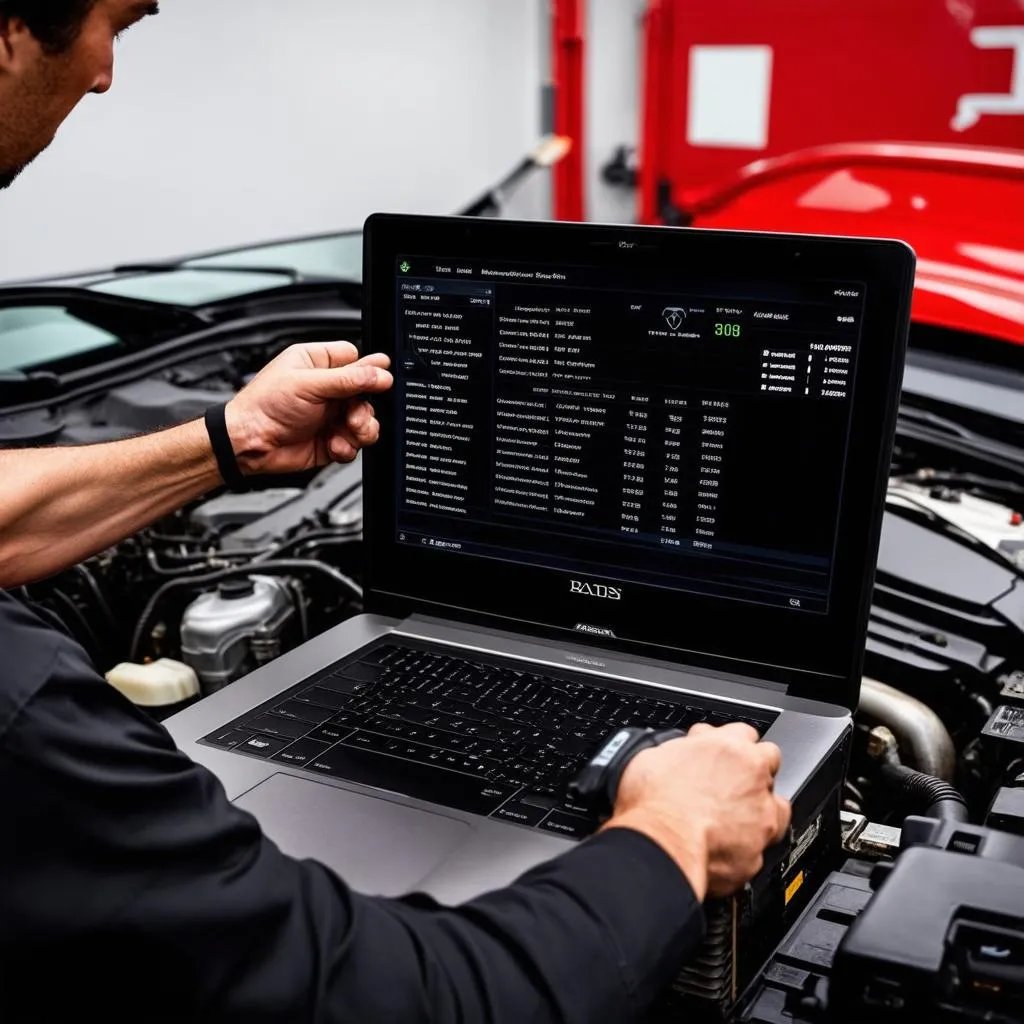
<point x="134" y="889"/>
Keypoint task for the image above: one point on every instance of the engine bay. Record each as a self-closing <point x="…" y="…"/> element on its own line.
<point x="225" y="584"/>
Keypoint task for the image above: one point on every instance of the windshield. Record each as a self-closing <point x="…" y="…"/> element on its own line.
<point x="234" y="273"/>
<point x="334" y="256"/>
<point x="35" y="336"/>
<point x="191" y="287"/>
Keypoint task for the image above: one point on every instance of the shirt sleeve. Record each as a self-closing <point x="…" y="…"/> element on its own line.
<point x="133" y="887"/>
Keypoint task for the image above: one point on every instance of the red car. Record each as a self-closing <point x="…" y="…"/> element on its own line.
<point x="961" y="208"/>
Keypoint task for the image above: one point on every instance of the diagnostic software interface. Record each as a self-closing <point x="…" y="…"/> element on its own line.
<point x="681" y="433"/>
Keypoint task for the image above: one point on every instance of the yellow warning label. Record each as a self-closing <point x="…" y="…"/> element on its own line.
<point x="794" y="887"/>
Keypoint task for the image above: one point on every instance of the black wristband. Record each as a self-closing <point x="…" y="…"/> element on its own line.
<point x="597" y="784"/>
<point x="217" y="428"/>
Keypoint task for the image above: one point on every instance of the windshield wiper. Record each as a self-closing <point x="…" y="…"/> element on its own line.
<point x="940" y="422"/>
<point x="27" y="386"/>
<point x="931" y="429"/>
<point x="169" y="268"/>
<point x="129" y="320"/>
<point x="299" y="284"/>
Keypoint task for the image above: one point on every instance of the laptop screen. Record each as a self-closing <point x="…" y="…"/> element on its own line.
<point x="690" y="435"/>
<point x="664" y="439"/>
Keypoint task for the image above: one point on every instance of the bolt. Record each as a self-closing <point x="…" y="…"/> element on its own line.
<point x="880" y="741"/>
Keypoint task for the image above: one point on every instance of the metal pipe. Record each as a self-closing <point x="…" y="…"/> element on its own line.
<point x="569" y="40"/>
<point x="924" y="741"/>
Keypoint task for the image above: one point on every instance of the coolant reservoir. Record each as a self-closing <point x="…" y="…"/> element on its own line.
<point x="228" y="632"/>
<point x="162" y="687"/>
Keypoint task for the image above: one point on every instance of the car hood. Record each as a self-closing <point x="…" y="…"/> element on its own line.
<point x="960" y="208"/>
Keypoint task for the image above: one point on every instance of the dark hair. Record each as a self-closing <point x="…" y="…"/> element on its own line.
<point x="55" y="23"/>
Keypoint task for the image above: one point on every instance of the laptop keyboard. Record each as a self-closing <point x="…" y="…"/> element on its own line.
<point x="487" y="737"/>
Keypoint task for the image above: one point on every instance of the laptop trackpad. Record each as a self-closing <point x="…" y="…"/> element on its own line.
<point x="378" y="847"/>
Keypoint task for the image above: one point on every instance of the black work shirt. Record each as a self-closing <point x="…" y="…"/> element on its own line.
<point x="132" y="889"/>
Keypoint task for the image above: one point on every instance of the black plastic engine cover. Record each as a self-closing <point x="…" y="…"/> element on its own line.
<point x="155" y="404"/>
<point x="943" y="613"/>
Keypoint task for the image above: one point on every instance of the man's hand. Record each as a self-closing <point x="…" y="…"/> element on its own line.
<point x="61" y="505"/>
<point x="305" y="409"/>
<point x="707" y="800"/>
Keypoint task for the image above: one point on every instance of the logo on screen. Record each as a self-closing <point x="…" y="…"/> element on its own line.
<point x="675" y="317"/>
<point x="595" y="590"/>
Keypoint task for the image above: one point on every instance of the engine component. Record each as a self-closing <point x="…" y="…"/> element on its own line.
<point x="336" y="487"/>
<point x="996" y="526"/>
<point x="1007" y="811"/>
<point x="937" y="935"/>
<point x="228" y="632"/>
<point x="236" y="510"/>
<point x="875" y="840"/>
<point x="923" y="739"/>
<point x="162" y="687"/>
<point x="1013" y="689"/>
<point x="942" y="938"/>
<point x="947" y="617"/>
<point x="1003" y="737"/>
<point x="946" y="611"/>
<point x="154" y="404"/>
<point x="794" y="986"/>
<point x="851" y="826"/>
<point x="934" y="797"/>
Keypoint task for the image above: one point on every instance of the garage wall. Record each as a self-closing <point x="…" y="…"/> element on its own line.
<point x="245" y="120"/>
<point x="614" y="60"/>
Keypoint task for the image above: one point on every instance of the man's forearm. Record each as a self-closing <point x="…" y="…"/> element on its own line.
<point x="61" y="505"/>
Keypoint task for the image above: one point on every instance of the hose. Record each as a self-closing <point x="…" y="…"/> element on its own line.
<point x="935" y="797"/>
<point x="317" y="538"/>
<point x="97" y="594"/>
<point x="202" y="562"/>
<point x="300" y="606"/>
<point x="922" y="737"/>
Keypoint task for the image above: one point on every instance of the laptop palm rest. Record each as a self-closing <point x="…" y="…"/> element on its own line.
<point x="379" y="847"/>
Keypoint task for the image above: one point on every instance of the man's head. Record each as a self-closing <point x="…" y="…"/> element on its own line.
<point x="52" y="53"/>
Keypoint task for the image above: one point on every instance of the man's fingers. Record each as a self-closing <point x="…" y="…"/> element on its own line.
<point x="361" y="426"/>
<point x="366" y="435"/>
<point x="327" y="355"/>
<point x="772" y="755"/>
<point x="733" y="730"/>
<point x="358" y="416"/>
<point x="740" y="731"/>
<point x="335" y="355"/>
<point x="347" y="382"/>
<point x="341" y="448"/>
<point x="345" y="442"/>
<point x="784" y="815"/>
<point x="375" y="359"/>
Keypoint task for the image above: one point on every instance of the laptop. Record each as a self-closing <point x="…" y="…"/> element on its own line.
<point x="626" y="476"/>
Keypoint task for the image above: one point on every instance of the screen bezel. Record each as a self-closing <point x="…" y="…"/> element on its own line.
<point x="818" y="656"/>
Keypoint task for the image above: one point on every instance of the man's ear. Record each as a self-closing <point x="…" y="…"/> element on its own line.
<point x="16" y="44"/>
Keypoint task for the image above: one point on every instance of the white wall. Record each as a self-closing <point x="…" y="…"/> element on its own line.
<point x="233" y="121"/>
<point x="613" y="101"/>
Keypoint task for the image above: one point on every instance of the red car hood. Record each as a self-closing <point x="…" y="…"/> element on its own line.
<point x="961" y="208"/>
